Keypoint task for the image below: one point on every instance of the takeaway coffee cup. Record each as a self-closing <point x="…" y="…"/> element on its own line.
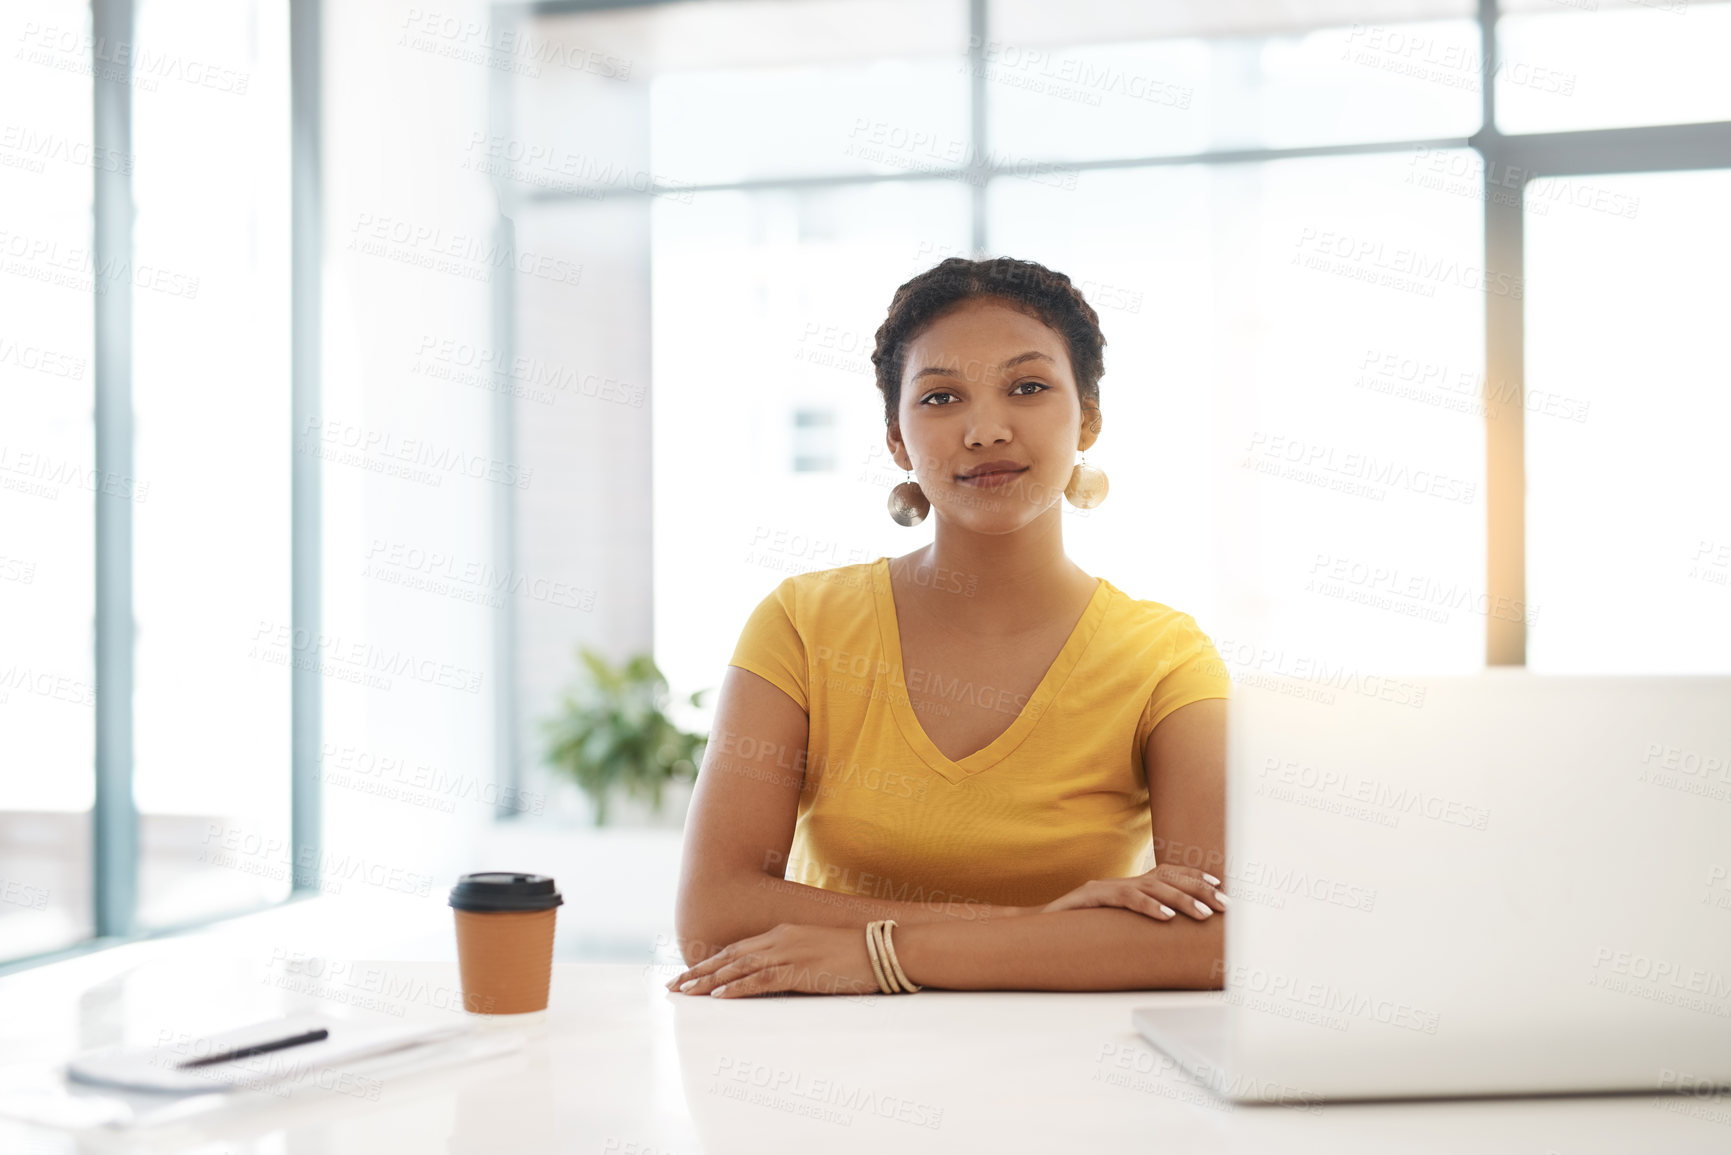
<point x="505" y="940"/>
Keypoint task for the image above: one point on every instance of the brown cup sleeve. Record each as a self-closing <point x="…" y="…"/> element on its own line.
<point x="505" y="959"/>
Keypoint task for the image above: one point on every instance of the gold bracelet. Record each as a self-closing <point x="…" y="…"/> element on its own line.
<point x="880" y="932"/>
<point x="872" y="954"/>
<point x="901" y="976"/>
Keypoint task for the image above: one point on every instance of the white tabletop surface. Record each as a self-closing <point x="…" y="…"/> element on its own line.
<point x="618" y="1064"/>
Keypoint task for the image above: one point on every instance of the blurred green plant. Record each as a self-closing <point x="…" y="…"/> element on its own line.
<point x="612" y="733"/>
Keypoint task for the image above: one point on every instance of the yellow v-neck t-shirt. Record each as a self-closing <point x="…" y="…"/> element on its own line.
<point x="1059" y="798"/>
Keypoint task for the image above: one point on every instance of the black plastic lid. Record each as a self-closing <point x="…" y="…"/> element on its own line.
<point x="499" y="890"/>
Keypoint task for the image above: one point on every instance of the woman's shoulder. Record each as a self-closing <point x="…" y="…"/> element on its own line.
<point x="835" y="581"/>
<point x="1151" y="618"/>
<point x="814" y="593"/>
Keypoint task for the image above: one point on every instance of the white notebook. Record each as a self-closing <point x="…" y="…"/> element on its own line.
<point x="161" y="1067"/>
<point x="138" y="1086"/>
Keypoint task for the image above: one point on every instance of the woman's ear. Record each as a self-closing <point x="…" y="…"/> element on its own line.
<point x="898" y="452"/>
<point x="1091" y="424"/>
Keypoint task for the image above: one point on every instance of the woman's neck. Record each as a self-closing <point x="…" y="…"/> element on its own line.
<point x="994" y="585"/>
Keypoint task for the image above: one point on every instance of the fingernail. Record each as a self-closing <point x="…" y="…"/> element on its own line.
<point x="688" y="984"/>
<point x="1167" y="911"/>
<point x="1202" y="908"/>
<point x="1221" y="899"/>
<point x="718" y="990"/>
<point x="1212" y="881"/>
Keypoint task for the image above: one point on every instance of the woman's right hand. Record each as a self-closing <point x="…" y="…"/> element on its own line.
<point x="1162" y="894"/>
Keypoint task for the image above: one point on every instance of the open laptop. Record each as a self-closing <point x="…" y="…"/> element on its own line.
<point x="1499" y="884"/>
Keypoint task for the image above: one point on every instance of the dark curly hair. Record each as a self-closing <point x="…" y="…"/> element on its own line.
<point x="1030" y="287"/>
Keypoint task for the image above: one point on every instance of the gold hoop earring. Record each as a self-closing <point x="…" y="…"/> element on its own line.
<point x="1087" y="486"/>
<point x="908" y="503"/>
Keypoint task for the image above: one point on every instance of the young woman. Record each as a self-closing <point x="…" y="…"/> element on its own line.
<point x="976" y="740"/>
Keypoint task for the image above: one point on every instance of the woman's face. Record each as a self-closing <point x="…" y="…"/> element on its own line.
<point x="987" y="383"/>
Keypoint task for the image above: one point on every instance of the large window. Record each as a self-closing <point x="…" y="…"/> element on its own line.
<point x="48" y="484"/>
<point x="144" y="466"/>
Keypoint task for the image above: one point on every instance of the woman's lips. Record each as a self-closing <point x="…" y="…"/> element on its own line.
<point x="992" y="480"/>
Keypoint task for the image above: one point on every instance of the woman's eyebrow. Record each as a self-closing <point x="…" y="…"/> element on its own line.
<point x="1019" y="358"/>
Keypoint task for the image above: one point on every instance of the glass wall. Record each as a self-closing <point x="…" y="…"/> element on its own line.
<point x="48" y="481"/>
<point x="200" y="396"/>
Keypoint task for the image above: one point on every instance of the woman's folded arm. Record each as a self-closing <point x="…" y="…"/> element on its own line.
<point x="1098" y="949"/>
<point x="1070" y="949"/>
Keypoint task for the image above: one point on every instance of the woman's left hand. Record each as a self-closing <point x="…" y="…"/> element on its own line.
<point x="820" y="960"/>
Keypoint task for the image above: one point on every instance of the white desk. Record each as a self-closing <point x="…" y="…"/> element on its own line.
<point x="618" y="1064"/>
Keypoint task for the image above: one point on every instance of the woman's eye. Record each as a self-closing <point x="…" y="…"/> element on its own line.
<point x="1042" y="385"/>
<point x="939" y="393"/>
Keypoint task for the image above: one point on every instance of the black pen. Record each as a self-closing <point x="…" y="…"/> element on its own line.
<point x="311" y="1036"/>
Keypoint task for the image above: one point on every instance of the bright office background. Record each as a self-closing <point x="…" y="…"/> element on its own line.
<point x="664" y="404"/>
